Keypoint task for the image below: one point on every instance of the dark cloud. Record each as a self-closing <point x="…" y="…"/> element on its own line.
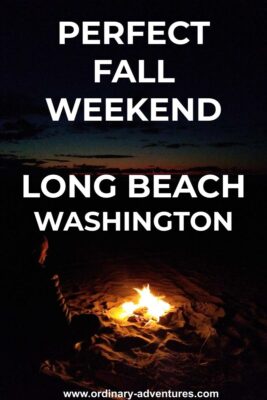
<point x="13" y="131"/>
<point x="151" y="145"/>
<point x="202" y="169"/>
<point x="10" y="161"/>
<point x="89" y="168"/>
<point x="151" y="169"/>
<point x="226" y="144"/>
<point x="180" y="145"/>
<point x="95" y="155"/>
<point x="198" y="170"/>
<point x="32" y="161"/>
<point x="8" y="155"/>
<point x="163" y="143"/>
<point x="56" y="160"/>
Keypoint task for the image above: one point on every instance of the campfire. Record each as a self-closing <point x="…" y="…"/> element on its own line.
<point x="146" y="309"/>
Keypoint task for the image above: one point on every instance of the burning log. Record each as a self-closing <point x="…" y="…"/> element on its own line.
<point x="148" y="308"/>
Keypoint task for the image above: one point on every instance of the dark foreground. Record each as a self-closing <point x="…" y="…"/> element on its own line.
<point x="215" y="338"/>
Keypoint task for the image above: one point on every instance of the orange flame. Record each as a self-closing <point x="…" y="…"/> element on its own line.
<point x="153" y="307"/>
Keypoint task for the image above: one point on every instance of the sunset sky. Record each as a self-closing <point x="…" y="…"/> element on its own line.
<point x="228" y="67"/>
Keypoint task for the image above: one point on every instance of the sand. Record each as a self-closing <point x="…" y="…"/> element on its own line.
<point x="208" y="340"/>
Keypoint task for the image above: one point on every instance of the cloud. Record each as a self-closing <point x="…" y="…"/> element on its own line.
<point x="32" y="161"/>
<point x="180" y="145"/>
<point x="151" y="145"/>
<point x="202" y="169"/>
<point x="12" y="164"/>
<point x="89" y="168"/>
<point x="11" y="161"/>
<point x="8" y="155"/>
<point x="162" y="143"/>
<point x="226" y="144"/>
<point x="95" y="155"/>
<point x="56" y="160"/>
<point x="20" y="129"/>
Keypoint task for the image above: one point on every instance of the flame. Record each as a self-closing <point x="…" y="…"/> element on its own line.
<point x="151" y="307"/>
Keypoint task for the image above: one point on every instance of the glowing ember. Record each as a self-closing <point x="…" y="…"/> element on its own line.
<point x="148" y="307"/>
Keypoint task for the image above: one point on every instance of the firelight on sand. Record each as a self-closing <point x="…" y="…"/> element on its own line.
<point x="148" y="307"/>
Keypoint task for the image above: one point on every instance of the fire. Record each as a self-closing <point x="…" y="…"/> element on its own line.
<point x="148" y="306"/>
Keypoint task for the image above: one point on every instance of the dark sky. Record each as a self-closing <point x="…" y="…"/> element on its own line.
<point x="229" y="67"/>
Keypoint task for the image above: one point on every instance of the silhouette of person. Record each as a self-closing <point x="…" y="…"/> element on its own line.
<point x="38" y="323"/>
<point x="51" y="326"/>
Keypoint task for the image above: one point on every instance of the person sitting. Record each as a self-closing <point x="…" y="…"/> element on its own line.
<point x="52" y="327"/>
